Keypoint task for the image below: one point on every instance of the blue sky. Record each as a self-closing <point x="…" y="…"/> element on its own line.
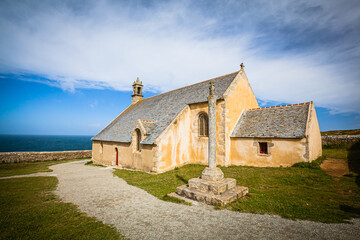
<point x="66" y="67"/>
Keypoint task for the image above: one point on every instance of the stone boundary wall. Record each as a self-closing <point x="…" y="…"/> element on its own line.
<point x="12" y="157"/>
<point x="338" y="139"/>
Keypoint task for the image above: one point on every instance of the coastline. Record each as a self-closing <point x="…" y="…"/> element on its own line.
<point x="44" y="143"/>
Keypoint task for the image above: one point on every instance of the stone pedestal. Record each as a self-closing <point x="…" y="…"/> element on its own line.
<point x="212" y="192"/>
<point x="212" y="188"/>
<point x="212" y="174"/>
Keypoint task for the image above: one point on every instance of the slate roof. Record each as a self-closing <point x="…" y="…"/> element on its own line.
<point x="148" y="125"/>
<point x="273" y="122"/>
<point x="161" y="109"/>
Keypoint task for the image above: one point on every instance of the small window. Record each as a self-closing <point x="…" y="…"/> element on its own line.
<point x="263" y="147"/>
<point x="138" y="140"/>
<point x="203" y="125"/>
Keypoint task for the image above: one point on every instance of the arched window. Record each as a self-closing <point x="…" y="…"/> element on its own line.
<point x="138" y="140"/>
<point x="203" y="125"/>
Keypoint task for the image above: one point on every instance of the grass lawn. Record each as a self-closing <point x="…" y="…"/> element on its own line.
<point x="296" y="193"/>
<point x="10" y="169"/>
<point x="335" y="153"/>
<point x="90" y="163"/>
<point x="342" y="132"/>
<point x="28" y="210"/>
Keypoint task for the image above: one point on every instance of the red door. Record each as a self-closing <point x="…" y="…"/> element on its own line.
<point x="117" y="157"/>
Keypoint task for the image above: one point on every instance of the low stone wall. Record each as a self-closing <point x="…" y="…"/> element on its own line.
<point x="339" y="139"/>
<point x="12" y="157"/>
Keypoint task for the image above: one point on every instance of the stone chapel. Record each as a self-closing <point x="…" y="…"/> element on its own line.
<point x="169" y="130"/>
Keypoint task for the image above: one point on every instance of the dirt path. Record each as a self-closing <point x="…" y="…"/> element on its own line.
<point x="139" y="215"/>
<point x="335" y="167"/>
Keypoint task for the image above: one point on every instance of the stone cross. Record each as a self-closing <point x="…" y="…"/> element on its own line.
<point x="212" y="87"/>
<point x="211" y="187"/>
<point x="212" y="173"/>
<point x="212" y="125"/>
<point x="242" y="65"/>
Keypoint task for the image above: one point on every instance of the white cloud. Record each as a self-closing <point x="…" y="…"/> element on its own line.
<point x="107" y="45"/>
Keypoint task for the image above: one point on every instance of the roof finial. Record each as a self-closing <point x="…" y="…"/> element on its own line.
<point x="242" y="66"/>
<point x="137" y="79"/>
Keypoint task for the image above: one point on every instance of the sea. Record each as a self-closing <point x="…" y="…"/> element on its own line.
<point x="41" y="143"/>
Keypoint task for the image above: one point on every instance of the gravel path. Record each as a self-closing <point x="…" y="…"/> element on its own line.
<point x="139" y="215"/>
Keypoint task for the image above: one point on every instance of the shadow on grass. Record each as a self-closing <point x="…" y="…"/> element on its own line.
<point x="350" y="209"/>
<point x="181" y="178"/>
<point x="354" y="160"/>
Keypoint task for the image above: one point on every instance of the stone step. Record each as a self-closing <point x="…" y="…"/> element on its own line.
<point x="217" y="187"/>
<point x="209" y="197"/>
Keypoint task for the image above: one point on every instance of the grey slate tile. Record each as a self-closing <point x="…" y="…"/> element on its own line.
<point x="278" y="122"/>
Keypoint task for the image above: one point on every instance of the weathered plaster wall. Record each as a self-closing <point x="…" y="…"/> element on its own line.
<point x="105" y="153"/>
<point x="282" y="152"/>
<point x="12" y="157"/>
<point x="181" y="144"/>
<point x="314" y="135"/>
<point x="173" y="144"/>
<point x="238" y="97"/>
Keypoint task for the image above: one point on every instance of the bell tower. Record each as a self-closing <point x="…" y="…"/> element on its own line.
<point x="137" y="91"/>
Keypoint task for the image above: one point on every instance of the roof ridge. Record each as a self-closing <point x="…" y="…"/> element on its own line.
<point x="188" y="86"/>
<point x="287" y="105"/>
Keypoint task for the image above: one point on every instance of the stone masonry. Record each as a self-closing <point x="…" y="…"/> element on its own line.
<point x="339" y="139"/>
<point x="12" y="157"/>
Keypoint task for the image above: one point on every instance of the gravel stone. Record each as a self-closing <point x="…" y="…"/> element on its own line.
<point x="139" y="215"/>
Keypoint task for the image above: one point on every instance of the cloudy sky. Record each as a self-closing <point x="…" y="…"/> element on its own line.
<point x="66" y="67"/>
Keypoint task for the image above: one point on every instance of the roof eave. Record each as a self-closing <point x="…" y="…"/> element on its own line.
<point x="273" y="137"/>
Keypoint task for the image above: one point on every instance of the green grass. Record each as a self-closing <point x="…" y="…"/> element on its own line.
<point x="28" y="210"/>
<point x="90" y="163"/>
<point x="162" y="184"/>
<point x="336" y="153"/>
<point x="341" y="132"/>
<point x="296" y="193"/>
<point x="312" y="165"/>
<point x="349" y="152"/>
<point x="10" y="169"/>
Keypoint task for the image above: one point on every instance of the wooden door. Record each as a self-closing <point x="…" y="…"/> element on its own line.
<point x="117" y="156"/>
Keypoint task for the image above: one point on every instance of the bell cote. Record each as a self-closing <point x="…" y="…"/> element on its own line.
<point x="137" y="91"/>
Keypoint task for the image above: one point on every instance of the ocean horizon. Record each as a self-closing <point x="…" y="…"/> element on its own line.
<point x="44" y="143"/>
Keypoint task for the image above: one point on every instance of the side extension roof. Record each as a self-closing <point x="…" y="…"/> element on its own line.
<point x="160" y="110"/>
<point x="273" y="122"/>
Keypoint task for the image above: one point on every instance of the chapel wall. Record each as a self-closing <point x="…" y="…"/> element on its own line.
<point x="127" y="157"/>
<point x="181" y="144"/>
<point x="282" y="152"/>
<point x="238" y="97"/>
<point x="199" y="146"/>
<point x="173" y="145"/>
<point x="314" y="136"/>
